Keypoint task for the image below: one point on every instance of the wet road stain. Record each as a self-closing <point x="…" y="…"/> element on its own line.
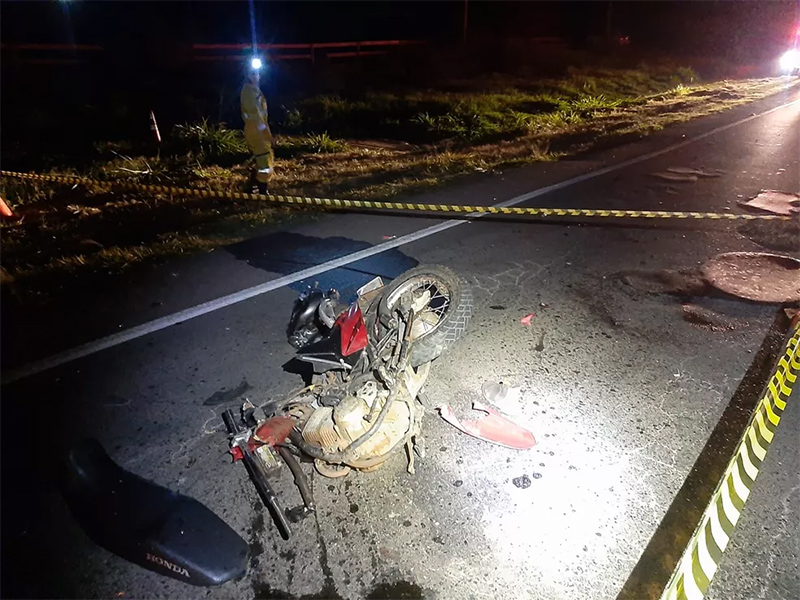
<point x="398" y="590"/>
<point x="328" y="588"/>
<point x="783" y="236"/>
<point x="540" y="344"/>
<point x="263" y="591"/>
<point x="497" y="307"/>
<point x="287" y="252"/>
<point x="256" y="531"/>
<point x="289" y="556"/>
<point x="597" y="308"/>
<point x="224" y="396"/>
<point x="522" y="483"/>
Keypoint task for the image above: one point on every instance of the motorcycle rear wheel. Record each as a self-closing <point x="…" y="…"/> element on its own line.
<point x="447" y="309"/>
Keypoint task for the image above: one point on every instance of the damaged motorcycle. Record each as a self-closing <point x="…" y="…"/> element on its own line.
<point x="369" y="362"/>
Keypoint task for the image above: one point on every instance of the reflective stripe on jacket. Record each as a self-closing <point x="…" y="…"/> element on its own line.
<point x="254" y="105"/>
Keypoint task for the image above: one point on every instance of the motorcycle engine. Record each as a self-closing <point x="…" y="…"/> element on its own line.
<point x="335" y="428"/>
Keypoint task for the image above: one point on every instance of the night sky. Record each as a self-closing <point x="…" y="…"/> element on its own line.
<point x="754" y="28"/>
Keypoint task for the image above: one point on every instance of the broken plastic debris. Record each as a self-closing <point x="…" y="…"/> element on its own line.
<point x="499" y="393"/>
<point x="676" y="176"/>
<point x="697" y="172"/>
<point x="492" y="427"/>
<point x="504" y="397"/>
<point x="779" y="203"/>
<point x="526" y="320"/>
<point x="275" y="430"/>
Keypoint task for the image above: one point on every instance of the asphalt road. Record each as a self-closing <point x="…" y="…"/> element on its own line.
<point x="620" y="390"/>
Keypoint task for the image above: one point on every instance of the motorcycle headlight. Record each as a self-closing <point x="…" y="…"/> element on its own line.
<point x="790" y="60"/>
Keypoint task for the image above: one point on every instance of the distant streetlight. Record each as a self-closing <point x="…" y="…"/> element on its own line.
<point x="256" y="63"/>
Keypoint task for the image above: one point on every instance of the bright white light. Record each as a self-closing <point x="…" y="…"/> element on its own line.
<point x="790" y="60"/>
<point x="256" y="63"/>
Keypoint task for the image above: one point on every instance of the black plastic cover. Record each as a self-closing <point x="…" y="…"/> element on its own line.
<point x="147" y="524"/>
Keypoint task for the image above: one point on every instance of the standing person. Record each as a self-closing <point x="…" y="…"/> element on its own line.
<point x="256" y="127"/>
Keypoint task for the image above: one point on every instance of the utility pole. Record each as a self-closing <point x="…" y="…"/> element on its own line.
<point x="464" y="30"/>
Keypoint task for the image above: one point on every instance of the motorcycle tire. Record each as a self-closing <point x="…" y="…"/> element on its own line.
<point x="452" y="323"/>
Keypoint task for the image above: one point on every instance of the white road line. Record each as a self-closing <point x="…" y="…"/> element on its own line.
<point x="115" y="339"/>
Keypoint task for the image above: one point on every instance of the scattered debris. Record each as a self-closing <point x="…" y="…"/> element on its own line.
<point x="710" y="320"/>
<point x="773" y="201"/>
<point x="389" y="237"/>
<point x="676" y="177"/>
<point x="499" y="393"/>
<point x="492" y="427"/>
<point x="274" y="431"/>
<point x="697" y="172"/>
<point x="522" y="483"/>
<point x="526" y="320"/>
<point x="757" y="276"/>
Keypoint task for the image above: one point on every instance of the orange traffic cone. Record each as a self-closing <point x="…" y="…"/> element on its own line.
<point x="5" y="210"/>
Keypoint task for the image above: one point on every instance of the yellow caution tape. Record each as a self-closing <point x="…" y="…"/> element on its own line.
<point x="696" y="568"/>
<point x="334" y="203"/>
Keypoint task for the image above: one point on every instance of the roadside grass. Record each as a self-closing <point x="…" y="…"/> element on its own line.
<point x="372" y="147"/>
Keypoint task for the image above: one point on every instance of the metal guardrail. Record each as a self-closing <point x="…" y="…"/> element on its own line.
<point x="46" y="54"/>
<point x="240" y="52"/>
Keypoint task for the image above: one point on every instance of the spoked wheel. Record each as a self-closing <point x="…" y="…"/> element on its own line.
<point x="442" y="307"/>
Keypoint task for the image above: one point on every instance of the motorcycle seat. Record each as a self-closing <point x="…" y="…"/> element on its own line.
<point x="148" y="524"/>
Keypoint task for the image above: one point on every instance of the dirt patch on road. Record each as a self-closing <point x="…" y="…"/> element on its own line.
<point x="756" y="276"/>
<point x="711" y="320"/>
<point x="684" y="282"/>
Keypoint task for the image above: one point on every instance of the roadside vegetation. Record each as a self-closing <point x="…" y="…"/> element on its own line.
<point x="374" y="145"/>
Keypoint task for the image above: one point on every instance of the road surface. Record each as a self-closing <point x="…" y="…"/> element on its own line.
<point x="621" y="391"/>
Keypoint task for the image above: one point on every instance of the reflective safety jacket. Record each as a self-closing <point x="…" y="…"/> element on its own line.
<point x="254" y="106"/>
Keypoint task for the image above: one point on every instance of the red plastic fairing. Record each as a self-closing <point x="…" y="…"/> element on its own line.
<point x="354" y="330"/>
